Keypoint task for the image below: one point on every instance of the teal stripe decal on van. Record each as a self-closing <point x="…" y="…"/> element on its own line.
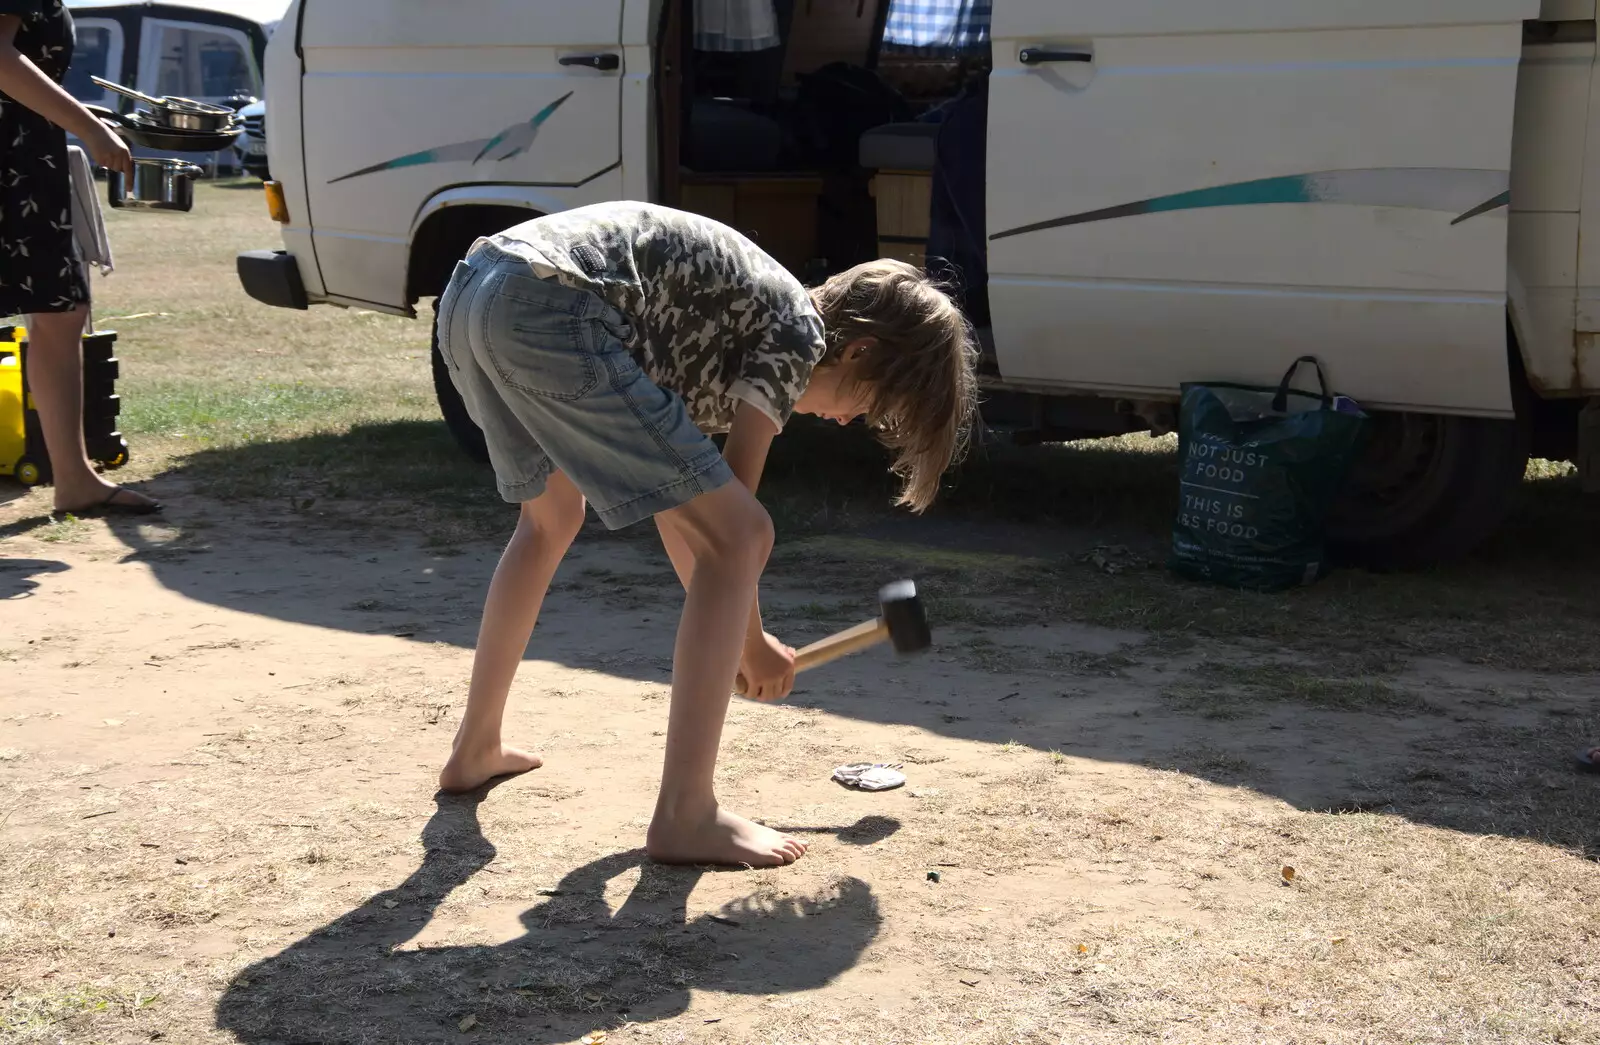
<point x="1465" y="193"/>
<point x="511" y="142"/>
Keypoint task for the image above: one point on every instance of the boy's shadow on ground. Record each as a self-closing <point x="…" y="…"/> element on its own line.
<point x="577" y="967"/>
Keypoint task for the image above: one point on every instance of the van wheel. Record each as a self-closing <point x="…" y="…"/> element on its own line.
<point x="465" y="431"/>
<point x="1428" y="488"/>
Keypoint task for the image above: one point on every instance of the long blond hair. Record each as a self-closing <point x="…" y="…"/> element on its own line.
<point x="920" y="373"/>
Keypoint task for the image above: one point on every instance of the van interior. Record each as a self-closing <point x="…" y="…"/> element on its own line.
<point x="834" y="147"/>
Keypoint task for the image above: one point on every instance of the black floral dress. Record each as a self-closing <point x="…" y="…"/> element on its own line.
<point x="39" y="270"/>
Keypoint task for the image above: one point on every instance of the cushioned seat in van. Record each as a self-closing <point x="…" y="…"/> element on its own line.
<point x="725" y="136"/>
<point x="901" y="147"/>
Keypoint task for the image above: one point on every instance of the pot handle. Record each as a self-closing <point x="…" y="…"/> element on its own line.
<point x="188" y="170"/>
<point x="126" y="92"/>
<point x="105" y="115"/>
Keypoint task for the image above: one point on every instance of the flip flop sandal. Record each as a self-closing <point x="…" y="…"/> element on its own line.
<point x="109" y="507"/>
<point x="871" y="776"/>
<point x="1586" y="760"/>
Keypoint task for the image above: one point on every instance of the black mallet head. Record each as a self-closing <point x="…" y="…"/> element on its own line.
<point x="903" y="615"/>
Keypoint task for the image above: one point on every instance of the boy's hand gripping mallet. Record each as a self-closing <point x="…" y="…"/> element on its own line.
<point x="902" y="623"/>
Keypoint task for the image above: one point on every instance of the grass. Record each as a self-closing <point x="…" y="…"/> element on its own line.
<point x="36" y="1016"/>
<point x="205" y="368"/>
<point x="210" y="416"/>
<point x="1493" y="613"/>
<point x="1226" y="690"/>
<point x="69" y="529"/>
<point x="335" y="409"/>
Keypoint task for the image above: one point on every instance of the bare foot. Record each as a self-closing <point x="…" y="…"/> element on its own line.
<point x="721" y="838"/>
<point x="470" y="770"/>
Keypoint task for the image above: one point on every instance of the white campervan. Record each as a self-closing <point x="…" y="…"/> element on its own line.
<point x="1135" y="193"/>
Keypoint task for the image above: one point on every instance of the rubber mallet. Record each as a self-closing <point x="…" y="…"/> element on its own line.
<point x="902" y="623"/>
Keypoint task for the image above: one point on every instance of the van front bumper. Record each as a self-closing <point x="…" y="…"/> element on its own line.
<point x="272" y="277"/>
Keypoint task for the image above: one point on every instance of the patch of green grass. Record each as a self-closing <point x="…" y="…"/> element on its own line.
<point x="952" y="610"/>
<point x="987" y="655"/>
<point x="1228" y="690"/>
<point x="1081" y="663"/>
<point x="1474" y="612"/>
<point x="1213" y="763"/>
<point x="330" y="415"/>
<point x="821" y="479"/>
<point x="35" y="1015"/>
<point x="207" y="414"/>
<point x="819" y="611"/>
<point x="410" y="468"/>
<point x="67" y="530"/>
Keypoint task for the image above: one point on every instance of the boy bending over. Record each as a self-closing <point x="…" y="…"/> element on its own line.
<point x="597" y="348"/>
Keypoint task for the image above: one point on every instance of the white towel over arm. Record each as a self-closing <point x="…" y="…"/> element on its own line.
<point x="88" y="223"/>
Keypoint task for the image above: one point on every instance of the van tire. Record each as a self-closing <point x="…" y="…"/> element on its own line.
<point x="1429" y="488"/>
<point x="463" y="429"/>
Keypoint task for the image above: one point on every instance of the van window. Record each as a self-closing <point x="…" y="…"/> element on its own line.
<point x="939" y="27"/>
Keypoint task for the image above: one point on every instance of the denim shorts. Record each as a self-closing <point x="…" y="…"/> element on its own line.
<point x="545" y="371"/>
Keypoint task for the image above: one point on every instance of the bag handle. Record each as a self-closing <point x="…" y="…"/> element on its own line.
<point x="1280" y="402"/>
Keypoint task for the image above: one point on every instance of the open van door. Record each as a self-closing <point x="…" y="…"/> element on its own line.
<point x="431" y="96"/>
<point x="1189" y="191"/>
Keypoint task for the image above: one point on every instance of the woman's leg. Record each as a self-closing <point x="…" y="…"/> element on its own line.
<point x="55" y="376"/>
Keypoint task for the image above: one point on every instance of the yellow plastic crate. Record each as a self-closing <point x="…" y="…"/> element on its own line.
<point x="22" y="451"/>
<point x="13" y="411"/>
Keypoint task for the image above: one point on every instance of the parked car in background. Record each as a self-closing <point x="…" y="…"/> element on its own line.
<point x="209" y="50"/>
<point x="251" y="145"/>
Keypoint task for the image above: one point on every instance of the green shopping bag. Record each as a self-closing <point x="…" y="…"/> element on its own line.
<point x="1258" y="470"/>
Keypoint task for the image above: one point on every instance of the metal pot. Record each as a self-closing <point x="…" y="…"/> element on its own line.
<point x="134" y="130"/>
<point x="193" y="117"/>
<point x="175" y="114"/>
<point x="157" y="185"/>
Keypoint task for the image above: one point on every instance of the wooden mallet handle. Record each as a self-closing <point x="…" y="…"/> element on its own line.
<point x="902" y="623"/>
<point x="825" y="651"/>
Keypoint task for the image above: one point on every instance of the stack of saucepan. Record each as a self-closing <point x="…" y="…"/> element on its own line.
<point x="170" y="125"/>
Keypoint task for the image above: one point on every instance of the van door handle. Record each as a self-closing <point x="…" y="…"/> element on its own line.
<point x="1043" y="55"/>
<point x="606" y="63"/>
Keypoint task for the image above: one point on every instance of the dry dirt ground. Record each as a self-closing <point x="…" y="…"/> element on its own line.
<point x="220" y="824"/>
<point x="1137" y="811"/>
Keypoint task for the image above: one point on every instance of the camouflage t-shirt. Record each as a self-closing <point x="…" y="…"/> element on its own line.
<point x="715" y="319"/>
